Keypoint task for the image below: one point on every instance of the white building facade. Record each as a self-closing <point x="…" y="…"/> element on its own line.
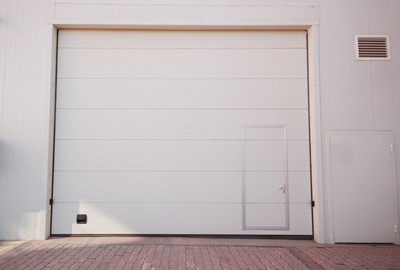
<point x="228" y="117"/>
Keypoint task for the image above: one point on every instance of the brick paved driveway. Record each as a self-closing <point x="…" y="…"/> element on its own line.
<point x="192" y="253"/>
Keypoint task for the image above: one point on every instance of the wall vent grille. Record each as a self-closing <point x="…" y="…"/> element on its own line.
<point x="372" y="48"/>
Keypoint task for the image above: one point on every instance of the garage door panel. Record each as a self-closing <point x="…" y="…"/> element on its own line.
<point x="264" y="155"/>
<point x="150" y="187"/>
<point x="265" y="215"/>
<point x="299" y="188"/>
<point x="169" y="155"/>
<point x="271" y="155"/>
<point x="75" y="186"/>
<point x="273" y="215"/>
<point x="299" y="156"/>
<point x="182" y="132"/>
<point x="180" y="39"/>
<point x="126" y="186"/>
<point x="163" y="63"/>
<point x="264" y="187"/>
<point x="142" y="218"/>
<point x="164" y="155"/>
<point x="300" y="218"/>
<point x="177" y="124"/>
<point x="182" y="93"/>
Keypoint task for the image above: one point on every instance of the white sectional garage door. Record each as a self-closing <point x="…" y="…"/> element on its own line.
<point x="182" y="132"/>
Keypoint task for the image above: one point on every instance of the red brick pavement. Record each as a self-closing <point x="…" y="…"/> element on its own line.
<point x="192" y="253"/>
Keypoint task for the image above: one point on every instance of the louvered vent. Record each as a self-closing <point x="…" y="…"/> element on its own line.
<point x="372" y="48"/>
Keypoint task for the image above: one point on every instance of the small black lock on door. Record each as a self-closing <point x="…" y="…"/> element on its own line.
<point x="81" y="218"/>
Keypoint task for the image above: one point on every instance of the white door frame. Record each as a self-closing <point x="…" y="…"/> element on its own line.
<point x="312" y="28"/>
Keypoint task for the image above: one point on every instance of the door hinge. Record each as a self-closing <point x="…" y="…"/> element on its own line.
<point x="391" y="147"/>
<point x="312" y="203"/>
<point x="51" y="201"/>
<point x="395" y="228"/>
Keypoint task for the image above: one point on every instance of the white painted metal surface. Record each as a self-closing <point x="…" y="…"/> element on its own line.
<point x="363" y="186"/>
<point x="196" y="12"/>
<point x="149" y="132"/>
<point x="25" y="50"/>
<point x="351" y="95"/>
<point x="252" y="207"/>
<point x="106" y="218"/>
<point x="235" y="93"/>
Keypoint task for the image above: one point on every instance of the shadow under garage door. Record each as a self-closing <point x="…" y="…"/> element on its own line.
<point x="182" y="132"/>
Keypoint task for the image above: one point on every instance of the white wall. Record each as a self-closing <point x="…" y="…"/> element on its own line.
<point x="181" y="12"/>
<point x="355" y="95"/>
<point x="24" y="112"/>
<point x="359" y="95"/>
